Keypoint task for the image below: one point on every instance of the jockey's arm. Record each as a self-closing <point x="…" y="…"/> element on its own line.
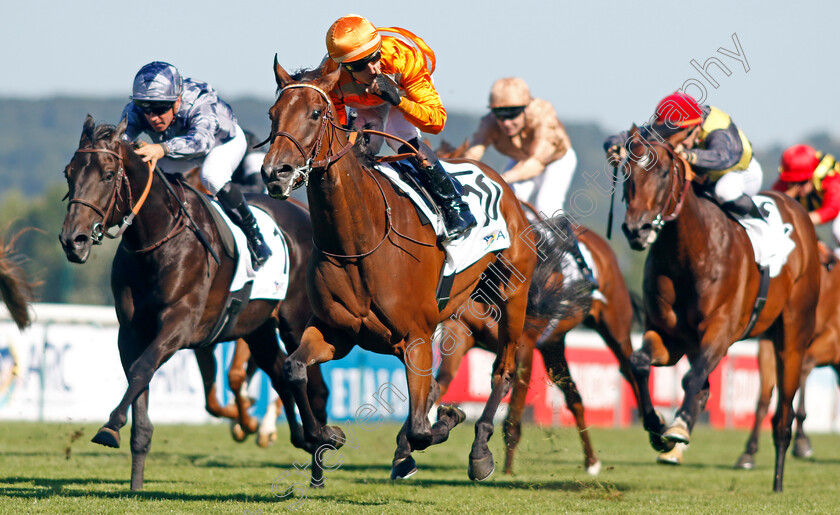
<point x="200" y="137"/>
<point x="831" y="201"/>
<point x="421" y="104"/>
<point x="482" y="138"/>
<point x="721" y="152"/>
<point x="540" y="154"/>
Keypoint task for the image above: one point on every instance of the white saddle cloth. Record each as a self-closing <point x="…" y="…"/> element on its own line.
<point x="484" y="198"/>
<point x="771" y="240"/>
<point x="272" y="280"/>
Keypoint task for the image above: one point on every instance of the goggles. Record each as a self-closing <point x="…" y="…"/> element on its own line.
<point x="361" y="64"/>
<point x="154" y="107"/>
<point x="507" y="113"/>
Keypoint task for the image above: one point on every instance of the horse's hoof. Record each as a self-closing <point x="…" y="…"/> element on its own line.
<point x="802" y="448"/>
<point x="594" y="469"/>
<point x="107" y="437"/>
<point x="266" y="440"/>
<point x="237" y="433"/>
<point x="658" y="444"/>
<point x="745" y="462"/>
<point x="452" y="412"/>
<point x="672" y="457"/>
<point x="678" y="432"/>
<point x="481" y="468"/>
<point x="403" y="468"/>
<point x="334" y="436"/>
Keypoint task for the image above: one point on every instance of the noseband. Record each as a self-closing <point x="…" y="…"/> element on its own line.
<point x="300" y="174"/>
<point x="98" y="229"/>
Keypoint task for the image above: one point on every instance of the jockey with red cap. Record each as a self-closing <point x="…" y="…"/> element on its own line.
<point x="386" y="78"/>
<point x="711" y="143"/>
<point x="812" y="178"/>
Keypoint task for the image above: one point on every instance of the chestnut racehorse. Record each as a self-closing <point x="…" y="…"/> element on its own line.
<point x="375" y="269"/>
<point x="700" y="286"/>
<point x="611" y="318"/>
<point x="168" y="288"/>
<point x="15" y="288"/>
<point x="823" y="351"/>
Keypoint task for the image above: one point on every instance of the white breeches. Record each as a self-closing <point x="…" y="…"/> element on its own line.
<point x="738" y="182"/>
<point x="216" y="167"/>
<point x="547" y="191"/>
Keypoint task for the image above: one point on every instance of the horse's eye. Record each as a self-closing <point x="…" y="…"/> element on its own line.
<point x="316" y="114"/>
<point x="108" y="176"/>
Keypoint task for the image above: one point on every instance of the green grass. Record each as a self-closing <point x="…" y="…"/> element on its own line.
<point x="53" y="468"/>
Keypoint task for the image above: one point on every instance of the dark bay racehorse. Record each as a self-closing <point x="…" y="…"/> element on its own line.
<point x="611" y="318"/>
<point x="168" y="290"/>
<point x="375" y="268"/>
<point x="700" y="286"/>
<point x="15" y="287"/>
<point x="823" y="351"/>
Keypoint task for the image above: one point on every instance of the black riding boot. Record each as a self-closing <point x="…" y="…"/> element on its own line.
<point x="745" y="206"/>
<point x="233" y="202"/>
<point x="447" y="192"/>
<point x="583" y="266"/>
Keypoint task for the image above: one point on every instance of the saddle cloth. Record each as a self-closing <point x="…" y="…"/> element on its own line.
<point x="484" y="198"/>
<point x="771" y="240"/>
<point x="272" y="280"/>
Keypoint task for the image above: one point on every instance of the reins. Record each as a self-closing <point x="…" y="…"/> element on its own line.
<point x="300" y="175"/>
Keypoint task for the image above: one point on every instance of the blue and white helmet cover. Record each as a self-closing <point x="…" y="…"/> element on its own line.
<point x="158" y="82"/>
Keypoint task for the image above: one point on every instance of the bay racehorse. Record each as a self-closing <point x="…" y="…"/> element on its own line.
<point x="823" y="351"/>
<point x="700" y="286"/>
<point x="611" y="316"/>
<point x="15" y="287"/>
<point x="168" y="290"/>
<point x="375" y="269"/>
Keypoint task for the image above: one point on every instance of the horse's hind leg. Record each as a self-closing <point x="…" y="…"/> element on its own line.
<point x="240" y="372"/>
<point x="801" y="443"/>
<point x="512" y="427"/>
<point x="767" y="381"/>
<point x="554" y="354"/>
<point x="141" y="438"/>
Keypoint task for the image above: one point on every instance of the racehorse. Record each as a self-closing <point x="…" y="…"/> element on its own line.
<point x="168" y="288"/>
<point x="700" y="286"/>
<point x="15" y="287"/>
<point x="375" y="268"/>
<point x="823" y="351"/>
<point x="610" y="316"/>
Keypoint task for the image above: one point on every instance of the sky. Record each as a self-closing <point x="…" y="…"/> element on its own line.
<point x="771" y="65"/>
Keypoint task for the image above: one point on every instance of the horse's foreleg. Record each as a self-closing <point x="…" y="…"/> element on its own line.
<point x="207" y="368"/>
<point x="455" y="342"/>
<point x="141" y="438"/>
<point x="238" y="377"/>
<point x="653" y="351"/>
<point x="139" y="368"/>
<point x="788" y="375"/>
<point x="801" y="443"/>
<point x="512" y="427"/>
<point x="767" y="381"/>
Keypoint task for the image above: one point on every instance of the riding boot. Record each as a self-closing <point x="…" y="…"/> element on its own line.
<point x="745" y="206"/>
<point x="233" y="202"/>
<point x="583" y="266"/>
<point x="446" y="190"/>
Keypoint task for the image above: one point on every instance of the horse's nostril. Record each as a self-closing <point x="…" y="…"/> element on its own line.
<point x="80" y="239"/>
<point x="646" y="227"/>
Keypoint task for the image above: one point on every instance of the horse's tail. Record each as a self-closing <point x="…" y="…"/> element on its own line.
<point x="550" y="297"/>
<point x="15" y="289"/>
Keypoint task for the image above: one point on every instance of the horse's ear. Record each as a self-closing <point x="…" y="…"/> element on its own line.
<point x="87" y="130"/>
<point x="328" y="82"/>
<point x="634" y="131"/>
<point x="280" y="75"/>
<point x="120" y="130"/>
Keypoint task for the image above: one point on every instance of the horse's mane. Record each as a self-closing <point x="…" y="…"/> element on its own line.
<point x="302" y="75"/>
<point x="103" y="130"/>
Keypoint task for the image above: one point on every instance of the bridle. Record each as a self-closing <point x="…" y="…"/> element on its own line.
<point x="674" y="174"/>
<point x="300" y="175"/>
<point x="98" y="229"/>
